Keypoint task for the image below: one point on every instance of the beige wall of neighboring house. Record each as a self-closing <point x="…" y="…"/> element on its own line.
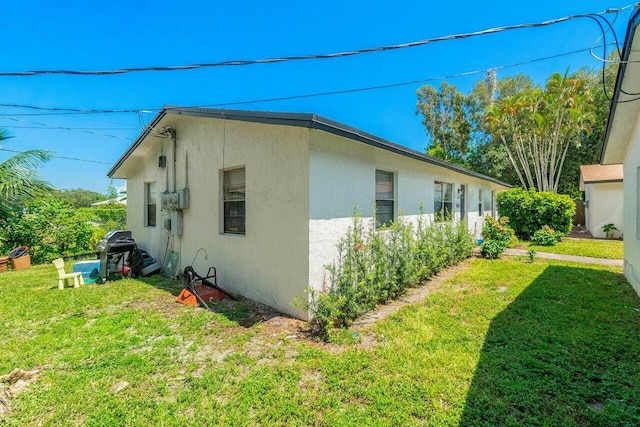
<point x="305" y="176"/>
<point x="604" y="205"/>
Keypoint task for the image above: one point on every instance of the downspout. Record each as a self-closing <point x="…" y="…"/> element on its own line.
<point x="175" y="159"/>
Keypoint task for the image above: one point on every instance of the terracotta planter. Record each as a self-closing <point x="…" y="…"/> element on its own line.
<point x="21" y="263"/>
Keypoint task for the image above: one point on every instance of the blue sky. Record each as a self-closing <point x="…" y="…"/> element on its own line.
<point x="91" y="35"/>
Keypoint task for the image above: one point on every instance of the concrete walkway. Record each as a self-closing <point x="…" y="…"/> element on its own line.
<point x="571" y="258"/>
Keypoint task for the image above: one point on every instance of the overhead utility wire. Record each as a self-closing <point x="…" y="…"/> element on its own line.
<point x="61" y="157"/>
<point x="44" y="125"/>
<point x="61" y="128"/>
<point x="314" y="56"/>
<point x="391" y="85"/>
<point x="59" y="110"/>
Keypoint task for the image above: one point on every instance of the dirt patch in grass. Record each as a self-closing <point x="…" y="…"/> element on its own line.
<point x="15" y="383"/>
<point x="271" y="327"/>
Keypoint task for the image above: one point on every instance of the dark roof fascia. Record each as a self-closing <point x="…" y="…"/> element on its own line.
<point x="626" y="51"/>
<point x="604" y="181"/>
<point x="136" y="143"/>
<point x="312" y="121"/>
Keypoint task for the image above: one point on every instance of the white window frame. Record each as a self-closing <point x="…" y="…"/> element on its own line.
<point x="443" y="187"/>
<point x="480" y="201"/>
<point x="233" y="196"/>
<point x="385" y="199"/>
<point x="150" y="189"/>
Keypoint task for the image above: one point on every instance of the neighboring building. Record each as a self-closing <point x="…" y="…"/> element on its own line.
<point x="602" y="186"/>
<point x="120" y="200"/>
<point x="622" y="145"/>
<point x="268" y="195"/>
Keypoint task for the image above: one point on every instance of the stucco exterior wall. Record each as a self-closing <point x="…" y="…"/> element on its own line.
<point x="631" y="209"/>
<point x="270" y="262"/>
<point x="147" y="238"/>
<point x="605" y="206"/>
<point x="342" y="180"/>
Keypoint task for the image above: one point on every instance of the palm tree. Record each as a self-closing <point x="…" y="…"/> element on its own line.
<point x="18" y="180"/>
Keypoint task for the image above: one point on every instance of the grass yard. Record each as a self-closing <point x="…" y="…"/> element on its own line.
<point x="598" y="248"/>
<point x="503" y="342"/>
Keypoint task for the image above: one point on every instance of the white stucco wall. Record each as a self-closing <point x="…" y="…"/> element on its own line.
<point x="604" y="207"/>
<point x="342" y="179"/>
<point x="631" y="210"/>
<point x="270" y="262"/>
<point x="302" y="187"/>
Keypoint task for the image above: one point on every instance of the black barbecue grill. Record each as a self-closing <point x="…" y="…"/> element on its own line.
<point x="119" y="255"/>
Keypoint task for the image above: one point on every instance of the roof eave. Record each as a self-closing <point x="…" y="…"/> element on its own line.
<point x="312" y="121"/>
<point x="631" y="31"/>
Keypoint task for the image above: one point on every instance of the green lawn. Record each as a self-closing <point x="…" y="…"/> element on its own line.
<point x="598" y="248"/>
<point x="503" y="342"/>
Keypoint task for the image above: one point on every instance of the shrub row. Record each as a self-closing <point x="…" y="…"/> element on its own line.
<point x="375" y="266"/>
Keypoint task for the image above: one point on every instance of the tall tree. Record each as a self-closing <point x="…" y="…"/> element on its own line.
<point x="537" y="126"/>
<point x="78" y="197"/>
<point x="18" y="180"/>
<point x="448" y="122"/>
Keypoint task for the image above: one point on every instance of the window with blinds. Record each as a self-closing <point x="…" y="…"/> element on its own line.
<point x="384" y="198"/>
<point x="151" y="203"/>
<point x="234" y="185"/>
<point x="442" y="200"/>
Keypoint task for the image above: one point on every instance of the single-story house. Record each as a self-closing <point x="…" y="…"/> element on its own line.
<point x="622" y="145"/>
<point x="602" y="186"/>
<point x="264" y="197"/>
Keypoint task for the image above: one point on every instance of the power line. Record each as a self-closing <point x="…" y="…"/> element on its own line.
<point x="391" y="85"/>
<point x="64" y="128"/>
<point x="60" y="110"/>
<point x="315" y="56"/>
<point x="61" y="157"/>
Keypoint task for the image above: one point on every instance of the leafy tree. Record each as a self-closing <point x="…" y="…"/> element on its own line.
<point x="447" y="116"/>
<point x="112" y="192"/>
<point x="487" y="154"/>
<point x="537" y="127"/>
<point x="79" y="198"/>
<point x="18" y="180"/>
<point x="50" y="228"/>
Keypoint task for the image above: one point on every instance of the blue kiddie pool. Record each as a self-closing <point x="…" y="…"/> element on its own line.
<point x="90" y="270"/>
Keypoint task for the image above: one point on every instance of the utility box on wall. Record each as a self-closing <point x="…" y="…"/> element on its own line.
<point x="176" y="223"/>
<point x="169" y="201"/>
<point x="183" y="199"/>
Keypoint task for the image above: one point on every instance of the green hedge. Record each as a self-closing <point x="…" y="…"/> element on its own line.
<point x="374" y="266"/>
<point x="529" y="211"/>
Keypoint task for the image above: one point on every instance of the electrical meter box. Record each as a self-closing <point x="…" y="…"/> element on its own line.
<point x="169" y="201"/>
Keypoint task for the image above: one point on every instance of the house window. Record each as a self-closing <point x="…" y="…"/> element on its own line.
<point x="443" y="200"/>
<point x="481" y="201"/>
<point x="384" y="198"/>
<point x="234" y="184"/>
<point x="151" y="200"/>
